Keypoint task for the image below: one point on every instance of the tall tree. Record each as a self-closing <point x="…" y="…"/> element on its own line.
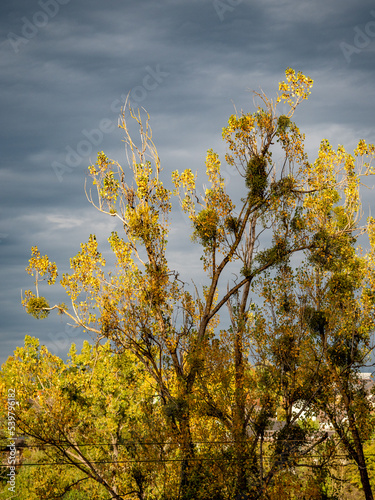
<point x="329" y="301"/>
<point x="94" y="415"/>
<point x="339" y="309"/>
<point x="143" y="307"/>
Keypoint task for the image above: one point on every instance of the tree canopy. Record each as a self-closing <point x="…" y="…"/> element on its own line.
<point x="211" y="391"/>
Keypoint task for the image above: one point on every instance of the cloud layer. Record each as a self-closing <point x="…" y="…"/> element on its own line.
<point x="67" y="67"/>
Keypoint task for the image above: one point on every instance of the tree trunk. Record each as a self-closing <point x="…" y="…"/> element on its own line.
<point x="356" y="451"/>
<point x="187" y="478"/>
<point x="239" y="421"/>
<point x="361" y="461"/>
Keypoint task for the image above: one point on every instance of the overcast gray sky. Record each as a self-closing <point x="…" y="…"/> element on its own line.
<point x="66" y="67"/>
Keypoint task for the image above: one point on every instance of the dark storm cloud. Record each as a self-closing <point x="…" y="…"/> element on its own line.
<point x="67" y="66"/>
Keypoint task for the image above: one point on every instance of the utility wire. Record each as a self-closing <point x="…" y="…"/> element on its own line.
<point x="147" y="443"/>
<point x="154" y="461"/>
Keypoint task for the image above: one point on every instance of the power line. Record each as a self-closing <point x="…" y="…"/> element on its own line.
<point x="147" y="443"/>
<point x="231" y="459"/>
